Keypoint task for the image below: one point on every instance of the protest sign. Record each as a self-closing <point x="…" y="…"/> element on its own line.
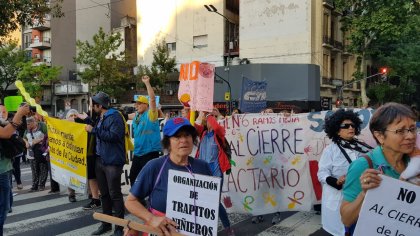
<point x="12" y="103"/>
<point x="270" y="156"/>
<point x="196" y="86"/>
<point x="392" y="209"/>
<point x="193" y="202"/>
<point x="68" y="153"/>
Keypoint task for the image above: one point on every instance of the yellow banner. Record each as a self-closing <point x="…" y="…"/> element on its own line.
<point x="68" y="152"/>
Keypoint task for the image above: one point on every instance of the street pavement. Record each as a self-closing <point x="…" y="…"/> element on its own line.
<point x="40" y="213"/>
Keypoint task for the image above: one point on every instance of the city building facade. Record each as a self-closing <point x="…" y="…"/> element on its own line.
<point x="228" y="33"/>
<point x="54" y="42"/>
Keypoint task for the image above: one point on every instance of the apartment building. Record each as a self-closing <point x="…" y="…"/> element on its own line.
<point x="54" y="43"/>
<point x="36" y="41"/>
<point x="229" y="33"/>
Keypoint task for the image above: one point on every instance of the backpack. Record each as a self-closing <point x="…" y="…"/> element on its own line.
<point x="226" y="149"/>
<point x="12" y="147"/>
<point x="129" y="146"/>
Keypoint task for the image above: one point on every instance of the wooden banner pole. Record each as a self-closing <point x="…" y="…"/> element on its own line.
<point x="130" y="224"/>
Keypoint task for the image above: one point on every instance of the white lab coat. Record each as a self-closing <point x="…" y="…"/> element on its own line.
<point x="333" y="163"/>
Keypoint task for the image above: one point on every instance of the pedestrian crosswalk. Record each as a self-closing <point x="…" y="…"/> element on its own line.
<point x="40" y="213"/>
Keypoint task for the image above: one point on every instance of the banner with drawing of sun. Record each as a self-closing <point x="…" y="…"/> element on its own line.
<point x="196" y="86"/>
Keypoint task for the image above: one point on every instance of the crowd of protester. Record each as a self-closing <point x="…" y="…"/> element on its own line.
<point x="345" y="176"/>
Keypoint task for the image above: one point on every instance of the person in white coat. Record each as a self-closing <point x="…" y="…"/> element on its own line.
<point x="341" y="127"/>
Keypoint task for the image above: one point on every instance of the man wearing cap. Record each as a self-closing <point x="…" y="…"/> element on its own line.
<point x="146" y="131"/>
<point x="110" y="158"/>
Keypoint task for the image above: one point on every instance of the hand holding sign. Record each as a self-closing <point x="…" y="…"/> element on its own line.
<point x="391" y="209"/>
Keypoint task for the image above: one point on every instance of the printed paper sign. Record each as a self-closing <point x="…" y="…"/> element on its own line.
<point x="392" y="209"/>
<point x="193" y="202"/>
<point x="68" y="153"/>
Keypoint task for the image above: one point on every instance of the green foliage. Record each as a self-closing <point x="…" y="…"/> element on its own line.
<point x="383" y="92"/>
<point x="386" y="31"/>
<point x="375" y="21"/>
<point x="162" y="65"/>
<point x="106" y="69"/>
<point x="24" y="12"/>
<point x="10" y="57"/>
<point x="33" y="77"/>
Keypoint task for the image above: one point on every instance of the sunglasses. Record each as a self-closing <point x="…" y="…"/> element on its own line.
<point x="346" y="126"/>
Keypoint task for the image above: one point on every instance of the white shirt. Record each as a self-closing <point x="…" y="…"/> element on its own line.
<point x="333" y="163"/>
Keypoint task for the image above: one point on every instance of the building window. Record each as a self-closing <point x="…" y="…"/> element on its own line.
<point x="171" y="47"/>
<point x="200" y="41"/>
<point x="74" y="104"/>
<point x="326" y="23"/>
<point x="332" y="30"/>
<point x="325" y="65"/>
<point x="333" y="76"/>
<point x="344" y="71"/>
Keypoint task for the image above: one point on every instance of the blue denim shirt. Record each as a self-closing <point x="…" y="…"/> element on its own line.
<point x="209" y="152"/>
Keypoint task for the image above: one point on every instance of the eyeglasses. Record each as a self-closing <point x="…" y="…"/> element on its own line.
<point x="346" y="126"/>
<point x="403" y="132"/>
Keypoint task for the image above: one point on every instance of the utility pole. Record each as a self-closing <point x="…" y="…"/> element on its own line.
<point x="213" y="9"/>
<point x="384" y="71"/>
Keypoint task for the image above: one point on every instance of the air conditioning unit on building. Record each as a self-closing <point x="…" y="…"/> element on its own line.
<point x="114" y="100"/>
<point x="170" y="92"/>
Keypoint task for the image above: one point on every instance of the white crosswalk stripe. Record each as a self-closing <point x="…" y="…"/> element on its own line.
<point x="40" y="213"/>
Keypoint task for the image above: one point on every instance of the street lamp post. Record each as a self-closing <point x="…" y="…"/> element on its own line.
<point x="213" y="9"/>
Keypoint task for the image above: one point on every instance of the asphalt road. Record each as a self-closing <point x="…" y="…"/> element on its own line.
<point x="40" y="213"/>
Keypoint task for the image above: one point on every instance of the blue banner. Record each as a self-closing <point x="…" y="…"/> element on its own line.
<point x="253" y="96"/>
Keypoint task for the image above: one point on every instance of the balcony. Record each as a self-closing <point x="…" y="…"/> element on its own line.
<point x="41" y="60"/>
<point x="234" y="50"/>
<point x="69" y="88"/>
<point x="46" y="25"/>
<point x="327" y="42"/>
<point x="346" y="52"/>
<point x="42" y="44"/>
<point x="337" y="46"/>
<point x="328" y="4"/>
<point x="327" y="81"/>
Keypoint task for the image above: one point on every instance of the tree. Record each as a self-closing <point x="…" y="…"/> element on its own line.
<point x="14" y="13"/>
<point x="10" y="58"/>
<point x="162" y="65"/>
<point x="106" y="69"/>
<point x="373" y="22"/>
<point x="35" y="76"/>
<point x="401" y="56"/>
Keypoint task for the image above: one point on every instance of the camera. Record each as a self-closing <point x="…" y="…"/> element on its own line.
<point x="31" y="108"/>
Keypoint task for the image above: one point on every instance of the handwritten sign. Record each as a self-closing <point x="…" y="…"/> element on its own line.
<point x="193" y="202"/>
<point x="68" y="152"/>
<point x="271" y="154"/>
<point x="392" y="209"/>
<point x="196" y="86"/>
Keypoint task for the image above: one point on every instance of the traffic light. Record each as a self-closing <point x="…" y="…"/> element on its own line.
<point x="384" y="73"/>
<point x="384" y="70"/>
<point x="338" y="103"/>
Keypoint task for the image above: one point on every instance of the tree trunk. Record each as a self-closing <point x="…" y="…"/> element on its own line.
<point x="363" y="82"/>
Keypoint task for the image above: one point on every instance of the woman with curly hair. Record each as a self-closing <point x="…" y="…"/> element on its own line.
<point x="341" y="127"/>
